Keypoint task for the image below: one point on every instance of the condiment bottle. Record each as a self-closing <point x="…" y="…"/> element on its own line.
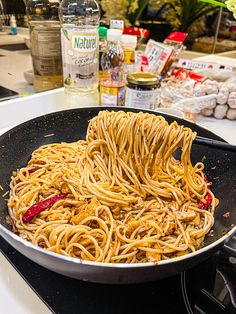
<point x="102" y="46"/>
<point x="112" y="87"/>
<point x="79" y="21"/>
<point x="45" y="43"/>
<point x="129" y="44"/>
<point x="13" y="25"/>
<point x="141" y="91"/>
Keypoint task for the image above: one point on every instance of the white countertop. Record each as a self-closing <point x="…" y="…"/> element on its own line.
<point x="12" y="76"/>
<point x="14" y="63"/>
<point x="16" y="296"/>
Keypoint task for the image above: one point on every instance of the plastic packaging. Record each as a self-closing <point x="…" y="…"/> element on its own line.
<point x="141" y="62"/>
<point x="176" y="40"/>
<point x="158" y="55"/>
<point x="196" y="104"/>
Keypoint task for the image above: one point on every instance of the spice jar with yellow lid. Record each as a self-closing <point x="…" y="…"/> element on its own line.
<point x="142" y="90"/>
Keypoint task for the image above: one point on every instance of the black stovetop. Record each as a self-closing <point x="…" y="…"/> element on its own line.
<point x="202" y="289"/>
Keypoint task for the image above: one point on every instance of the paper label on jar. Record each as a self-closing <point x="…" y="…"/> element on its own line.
<point x="80" y="57"/>
<point x="46" y="50"/>
<point x="112" y="96"/>
<point x="141" y="99"/>
<point x="117" y="24"/>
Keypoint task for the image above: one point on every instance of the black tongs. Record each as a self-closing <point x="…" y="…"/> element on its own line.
<point x="214" y="143"/>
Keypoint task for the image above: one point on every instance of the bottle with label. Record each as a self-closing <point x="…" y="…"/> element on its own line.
<point x="13" y="25"/>
<point x="142" y="90"/>
<point x="112" y="87"/>
<point x="45" y="43"/>
<point x="129" y="44"/>
<point x="102" y="47"/>
<point x="80" y="40"/>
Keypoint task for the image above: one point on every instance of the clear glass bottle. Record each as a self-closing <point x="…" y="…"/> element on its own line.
<point x="45" y="41"/>
<point x="112" y="86"/>
<point x="80" y="40"/>
<point x="113" y="58"/>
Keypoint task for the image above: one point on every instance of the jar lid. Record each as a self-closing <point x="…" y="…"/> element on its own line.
<point x="141" y="78"/>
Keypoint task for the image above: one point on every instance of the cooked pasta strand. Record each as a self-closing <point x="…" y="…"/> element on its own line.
<point x="128" y="199"/>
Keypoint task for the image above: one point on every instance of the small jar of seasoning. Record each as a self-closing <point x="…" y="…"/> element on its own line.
<point x="141" y="90"/>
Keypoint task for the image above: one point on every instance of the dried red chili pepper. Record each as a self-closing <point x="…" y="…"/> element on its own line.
<point x="207" y="198"/>
<point x="41" y="206"/>
<point x="206" y="204"/>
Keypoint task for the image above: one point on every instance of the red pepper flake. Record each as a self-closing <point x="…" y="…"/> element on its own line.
<point x="205" y="178"/>
<point x="208" y="198"/>
<point x="206" y="203"/>
<point x="41" y="206"/>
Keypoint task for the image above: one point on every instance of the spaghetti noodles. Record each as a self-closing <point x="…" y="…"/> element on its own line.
<point x="126" y="198"/>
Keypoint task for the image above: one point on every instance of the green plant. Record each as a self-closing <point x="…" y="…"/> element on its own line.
<point x="127" y="10"/>
<point x="182" y="14"/>
<point x="214" y="2"/>
<point x="229" y="4"/>
<point x="133" y="17"/>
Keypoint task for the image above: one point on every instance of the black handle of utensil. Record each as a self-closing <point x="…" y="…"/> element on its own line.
<point x="213" y="143"/>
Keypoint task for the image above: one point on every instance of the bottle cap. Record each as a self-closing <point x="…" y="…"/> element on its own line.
<point x="102" y="31"/>
<point x="142" y="78"/>
<point x="114" y="34"/>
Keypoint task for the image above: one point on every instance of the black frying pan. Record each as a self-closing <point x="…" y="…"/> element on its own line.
<point x="16" y="147"/>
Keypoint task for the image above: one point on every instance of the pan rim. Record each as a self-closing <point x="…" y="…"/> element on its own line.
<point x="74" y="260"/>
<point x="98" y="108"/>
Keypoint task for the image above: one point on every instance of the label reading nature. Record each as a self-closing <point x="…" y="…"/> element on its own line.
<point x="84" y="44"/>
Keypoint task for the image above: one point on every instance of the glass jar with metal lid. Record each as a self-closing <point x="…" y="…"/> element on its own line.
<point x="141" y="90"/>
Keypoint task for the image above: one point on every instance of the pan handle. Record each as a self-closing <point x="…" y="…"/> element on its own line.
<point x="230" y="246"/>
